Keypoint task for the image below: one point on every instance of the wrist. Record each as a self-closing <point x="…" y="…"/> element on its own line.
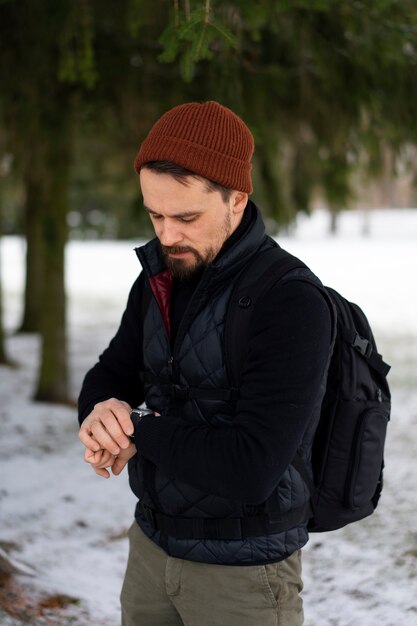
<point x="137" y="415"/>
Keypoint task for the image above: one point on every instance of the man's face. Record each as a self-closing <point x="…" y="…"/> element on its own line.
<point x="191" y="222"/>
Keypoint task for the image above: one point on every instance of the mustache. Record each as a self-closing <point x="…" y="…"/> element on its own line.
<point x="177" y="249"/>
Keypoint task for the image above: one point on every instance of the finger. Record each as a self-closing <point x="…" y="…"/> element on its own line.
<point x="121" y="410"/>
<point x="107" y="458"/>
<point x="84" y="435"/>
<point x="101" y="472"/>
<point x="107" y="461"/>
<point x="104" y="439"/>
<point x="123" y="417"/>
<point x="100" y="459"/>
<point x="92" y="457"/>
<point x="118" y="466"/>
<point x="89" y="455"/>
<point x="113" y="427"/>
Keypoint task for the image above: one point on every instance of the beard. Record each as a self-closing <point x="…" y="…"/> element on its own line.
<point x="183" y="269"/>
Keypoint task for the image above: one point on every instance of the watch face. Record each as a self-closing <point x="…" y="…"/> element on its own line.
<point x="141" y="412"/>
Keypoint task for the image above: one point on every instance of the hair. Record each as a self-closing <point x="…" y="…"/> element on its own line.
<point x="181" y="174"/>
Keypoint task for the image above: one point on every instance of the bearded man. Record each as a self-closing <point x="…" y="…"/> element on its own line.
<point x="206" y="460"/>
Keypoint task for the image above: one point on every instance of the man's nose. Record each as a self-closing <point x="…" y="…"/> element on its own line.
<point x="169" y="234"/>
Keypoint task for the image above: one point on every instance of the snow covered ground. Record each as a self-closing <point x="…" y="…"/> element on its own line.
<point x="68" y="524"/>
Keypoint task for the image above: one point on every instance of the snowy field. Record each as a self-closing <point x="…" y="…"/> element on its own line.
<point x="68" y="525"/>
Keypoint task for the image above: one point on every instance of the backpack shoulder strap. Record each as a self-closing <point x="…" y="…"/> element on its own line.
<point x="255" y="280"/>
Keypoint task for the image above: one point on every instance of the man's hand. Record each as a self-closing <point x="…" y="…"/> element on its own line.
<point x="107" y="427"/>
<point x="103" y="459"/>
<point x="99" y="461"/>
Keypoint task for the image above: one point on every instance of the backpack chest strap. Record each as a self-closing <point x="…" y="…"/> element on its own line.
<point x="185" y="392"/>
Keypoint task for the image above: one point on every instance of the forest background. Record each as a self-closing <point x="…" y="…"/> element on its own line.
<point x="328" y="88"/>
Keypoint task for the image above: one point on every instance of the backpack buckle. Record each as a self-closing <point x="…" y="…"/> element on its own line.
<point x="179" y="392"/>
<point x="149" y="515"/>
<point x="362" y="345"/>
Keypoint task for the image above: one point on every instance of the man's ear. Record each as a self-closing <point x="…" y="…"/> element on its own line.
<point x="239" y="201"/>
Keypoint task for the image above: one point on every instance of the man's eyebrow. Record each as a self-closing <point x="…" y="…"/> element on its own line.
<point x="181" y="214"/>
<point x="148" y="209"/>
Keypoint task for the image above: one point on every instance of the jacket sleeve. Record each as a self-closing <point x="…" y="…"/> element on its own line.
<point x="116" y="375"/>
<point x="288" y="350"/>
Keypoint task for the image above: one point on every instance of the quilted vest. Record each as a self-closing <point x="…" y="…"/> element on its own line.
<point x="197" y="360"/>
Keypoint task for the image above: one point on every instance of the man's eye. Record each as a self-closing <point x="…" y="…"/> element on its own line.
<point x="155" y="217"/>
<point x="187" y="220"/>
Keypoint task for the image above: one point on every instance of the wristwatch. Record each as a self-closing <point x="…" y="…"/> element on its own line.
<point x="137" y="415"/>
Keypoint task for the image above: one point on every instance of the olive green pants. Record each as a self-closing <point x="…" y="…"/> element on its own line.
<point x="159" y="590"/>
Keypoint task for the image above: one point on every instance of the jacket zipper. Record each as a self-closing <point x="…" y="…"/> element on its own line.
<point x="194" y="298"/>
<point x="171" y="360"/>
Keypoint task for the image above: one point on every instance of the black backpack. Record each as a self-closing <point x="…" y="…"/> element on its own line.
<point x="348" y="446"/>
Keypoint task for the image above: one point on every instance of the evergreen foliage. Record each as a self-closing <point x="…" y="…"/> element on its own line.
<point x="326" y="86"/>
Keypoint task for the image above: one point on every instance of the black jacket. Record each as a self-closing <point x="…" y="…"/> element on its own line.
<point x="208" y="459"/>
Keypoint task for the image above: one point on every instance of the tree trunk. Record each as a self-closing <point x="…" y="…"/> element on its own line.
<point x="366" y="222"/>
<point x="334" y="222"/>
<point x="266" y="160"/>
<point x="34" y="249"/>
<point x="3" y="355"/>
<point x="53" y="374"/>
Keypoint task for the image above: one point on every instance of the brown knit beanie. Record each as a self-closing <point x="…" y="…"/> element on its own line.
<point x="208" y="139"/>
